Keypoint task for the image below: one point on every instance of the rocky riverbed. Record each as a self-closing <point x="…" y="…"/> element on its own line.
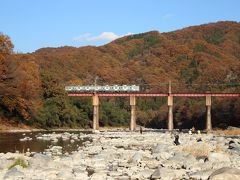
<point x="129" y="155"/>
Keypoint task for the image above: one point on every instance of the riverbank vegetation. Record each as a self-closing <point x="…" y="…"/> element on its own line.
<point x="19" y="162"/>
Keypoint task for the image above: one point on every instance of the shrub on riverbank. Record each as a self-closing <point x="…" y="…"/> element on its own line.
<point x="20" y="162"/>
<point x="197" y="150"/>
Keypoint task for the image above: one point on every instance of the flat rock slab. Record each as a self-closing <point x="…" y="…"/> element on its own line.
<point x="225" y="173"/>
<point x="14" y="173"/>
<point x="203" y="175"/>
<point x="216" y="157"/>
<point x="166" y="173"/>
<point x="98" y="176"/>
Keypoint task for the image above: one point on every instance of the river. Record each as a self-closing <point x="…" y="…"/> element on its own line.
<point x="12" y="142"/>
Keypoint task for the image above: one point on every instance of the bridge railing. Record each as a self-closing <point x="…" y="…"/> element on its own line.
<point x="191" y="88"/>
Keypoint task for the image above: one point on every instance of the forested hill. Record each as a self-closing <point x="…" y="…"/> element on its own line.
<point x="201" y="54"/>
<point x="196" y="59"/>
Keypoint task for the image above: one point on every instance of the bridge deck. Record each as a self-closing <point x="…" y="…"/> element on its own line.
<point x="157" y="94"/>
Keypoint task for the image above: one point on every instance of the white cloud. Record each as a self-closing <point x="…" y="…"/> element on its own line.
<point x="104" y="36"/>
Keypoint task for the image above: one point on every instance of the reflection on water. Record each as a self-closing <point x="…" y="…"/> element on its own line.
<point x="10" y="142"/>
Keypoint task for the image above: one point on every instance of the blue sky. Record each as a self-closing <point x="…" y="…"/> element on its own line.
<point x="33" y="24"/>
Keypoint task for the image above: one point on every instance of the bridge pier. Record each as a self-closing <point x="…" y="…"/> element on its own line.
<point x="208" y="116"/>
<point x="95" y="103"/>
<point x="170" y="113"/>
<point x="133" y="113"/>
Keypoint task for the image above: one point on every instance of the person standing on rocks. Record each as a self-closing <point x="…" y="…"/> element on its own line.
<point x="176" y="141"/>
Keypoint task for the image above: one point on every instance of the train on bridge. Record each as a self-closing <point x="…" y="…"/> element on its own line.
<point x="107" y="88"/>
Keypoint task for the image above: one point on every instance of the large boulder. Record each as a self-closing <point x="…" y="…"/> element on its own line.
<point x="181" y="159"/>
<point x="14" y="173"/>
<point x="234" y="146"/>
<point x="40" y="160"/>
<point x="153" y="164"/>
<point x="93" y="150"/>
<point x="113" y="166"/>
<point x="201" y="166"/>
<point x="203" y="174"/>
<point x="225" y="173"/>
<point x="98" y="163"/>
<point x="159" y="148"/>
<point x="156" y="174"/>
<point x="166" y="173"/>
<point x="163" y="155"/>
<point x="218" y="157"/>
<point x="80" y="172"/>
<point x="65" y="175"/>
<point x="144" y="174"/>
<point x="5" y="163"/>
<point x="137" y="157"/>
<point x="98" y="176"/>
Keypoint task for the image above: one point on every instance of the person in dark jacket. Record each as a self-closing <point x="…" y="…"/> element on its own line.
<point x="176" y="141"/>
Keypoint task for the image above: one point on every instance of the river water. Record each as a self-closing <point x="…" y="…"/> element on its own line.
<point x="10" y="142"/>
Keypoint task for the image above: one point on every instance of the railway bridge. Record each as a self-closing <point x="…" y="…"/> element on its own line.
<point x="134" y="95"/>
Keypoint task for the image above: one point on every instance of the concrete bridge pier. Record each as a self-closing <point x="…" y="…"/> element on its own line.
<point x="208" y="117"/>
<point x="95" y="103"/>
<point x="170" y="113"/>
<point x="133" y="113"/>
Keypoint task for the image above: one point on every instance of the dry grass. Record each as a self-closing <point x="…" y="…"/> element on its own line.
<point x="202" y="149"/>
<point x="230" y="132"/>
<point x="197" y="149"/>
<point x="218" y="149"/>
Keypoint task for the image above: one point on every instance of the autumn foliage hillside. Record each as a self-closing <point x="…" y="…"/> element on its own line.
<point x="203" y="58"/>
